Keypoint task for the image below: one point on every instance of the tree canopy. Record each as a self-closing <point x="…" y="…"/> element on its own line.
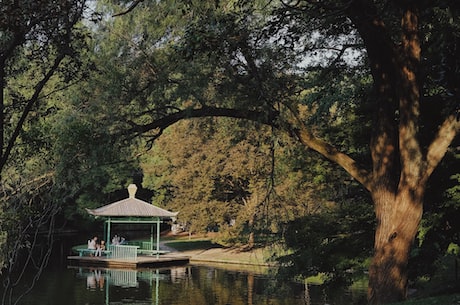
<point x="249" y="60"/>
<point x="370" y="86"/>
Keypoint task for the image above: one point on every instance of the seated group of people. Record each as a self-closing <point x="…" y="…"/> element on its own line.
<point x="93" y="244"/>
<point x="117" y="240"/>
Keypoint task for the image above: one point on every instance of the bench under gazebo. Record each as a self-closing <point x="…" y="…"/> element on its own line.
<point x="132" y="211"/>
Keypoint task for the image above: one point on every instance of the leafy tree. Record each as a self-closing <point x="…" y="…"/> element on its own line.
<point x="205" y="170"/>
<point x="39" y="46"/>
<point x="38" y="40"/>
<point x="244" y="60"/>
<point x="89" y="165"/>
<point x="231" y="176"/>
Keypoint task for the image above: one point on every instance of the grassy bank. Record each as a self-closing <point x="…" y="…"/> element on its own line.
<point x="196" y="244"/>
<point x="202" y="249"/>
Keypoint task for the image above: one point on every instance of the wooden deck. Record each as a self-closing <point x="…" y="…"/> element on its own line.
<point x="140" y="262"/>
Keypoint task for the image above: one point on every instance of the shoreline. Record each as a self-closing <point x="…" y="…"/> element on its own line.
<point x="222" y="256"/>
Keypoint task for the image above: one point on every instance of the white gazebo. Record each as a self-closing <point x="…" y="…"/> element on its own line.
<point x="133" y="211"/>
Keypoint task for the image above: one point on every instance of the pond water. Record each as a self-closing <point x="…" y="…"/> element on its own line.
<point x="186" y="285"/>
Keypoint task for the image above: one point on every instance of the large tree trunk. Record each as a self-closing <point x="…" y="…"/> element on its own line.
<point x="398" y="218"/>
<point x="399" y="169"/>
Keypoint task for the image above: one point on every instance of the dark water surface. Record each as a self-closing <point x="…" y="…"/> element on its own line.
<point x="188" y="285"/>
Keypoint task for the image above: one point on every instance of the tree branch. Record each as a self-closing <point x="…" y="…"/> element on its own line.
<point x="130" y="8"/>
<point x="331" y="153"/>
<point x="271" y="119"/>
<point x="438" y="148"/>
<point x="166" y="121"/>
<point x="38" y="89"/>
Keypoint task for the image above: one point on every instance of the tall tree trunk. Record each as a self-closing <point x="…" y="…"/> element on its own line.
<point x="398" y="218"/>
<point x="398" y="213"/>
<point x="399" y="170"/>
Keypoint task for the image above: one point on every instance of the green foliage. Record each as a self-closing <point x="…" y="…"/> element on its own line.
<point x="166" y="56"/>
<point x="39" y="50"/>
<point x="38" y="59"/>
<point x="335" y="243"/>
<point x="188" y="245"/>
<point x="27" y="218"/>
<point x="209" y="179"/>
<point x="47" y="128"/>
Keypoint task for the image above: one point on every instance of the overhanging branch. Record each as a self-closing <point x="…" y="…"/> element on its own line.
<point x="269" y="118"/>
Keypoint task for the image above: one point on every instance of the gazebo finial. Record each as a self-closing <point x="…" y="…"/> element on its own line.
<point x="132" y="188"/>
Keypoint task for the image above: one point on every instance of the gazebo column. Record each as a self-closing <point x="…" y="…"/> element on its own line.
<point x="108" y="240"/>
<point x="158" y="237"/>
<point x="151" y="237"/>
<point x="104" y="234"/>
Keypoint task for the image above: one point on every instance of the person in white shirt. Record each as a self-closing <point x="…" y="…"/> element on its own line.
<point x="92" y="243"/>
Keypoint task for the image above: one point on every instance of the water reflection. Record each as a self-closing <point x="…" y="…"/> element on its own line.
<point x="95" y="279"/>
<point x="119" y="282"/>
<point x="182" y="286"/>
<point x="189" y="285"/>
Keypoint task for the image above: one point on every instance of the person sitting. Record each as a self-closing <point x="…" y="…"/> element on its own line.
<point x="92" y="243"/>
<point x="100" y="248"/>
<point x="123" y="241"/>
<point x="116" y="240"/>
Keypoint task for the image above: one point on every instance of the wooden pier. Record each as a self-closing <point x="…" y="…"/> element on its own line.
<point x="140" y="261"/>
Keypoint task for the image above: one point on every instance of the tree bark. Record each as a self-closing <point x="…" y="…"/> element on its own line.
<point x="398" y="218"/>
<point x="398" y="182"/>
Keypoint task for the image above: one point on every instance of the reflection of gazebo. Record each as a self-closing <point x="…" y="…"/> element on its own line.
<point x="133" y="211"/>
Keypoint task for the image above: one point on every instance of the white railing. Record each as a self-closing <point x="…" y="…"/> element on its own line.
<point x="123" y="278"/>
<point x="146" y="245"/>
<point x="122" y="251"/>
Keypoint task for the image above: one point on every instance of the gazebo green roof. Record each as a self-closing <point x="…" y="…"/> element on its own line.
<point x="131" y="207"/>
